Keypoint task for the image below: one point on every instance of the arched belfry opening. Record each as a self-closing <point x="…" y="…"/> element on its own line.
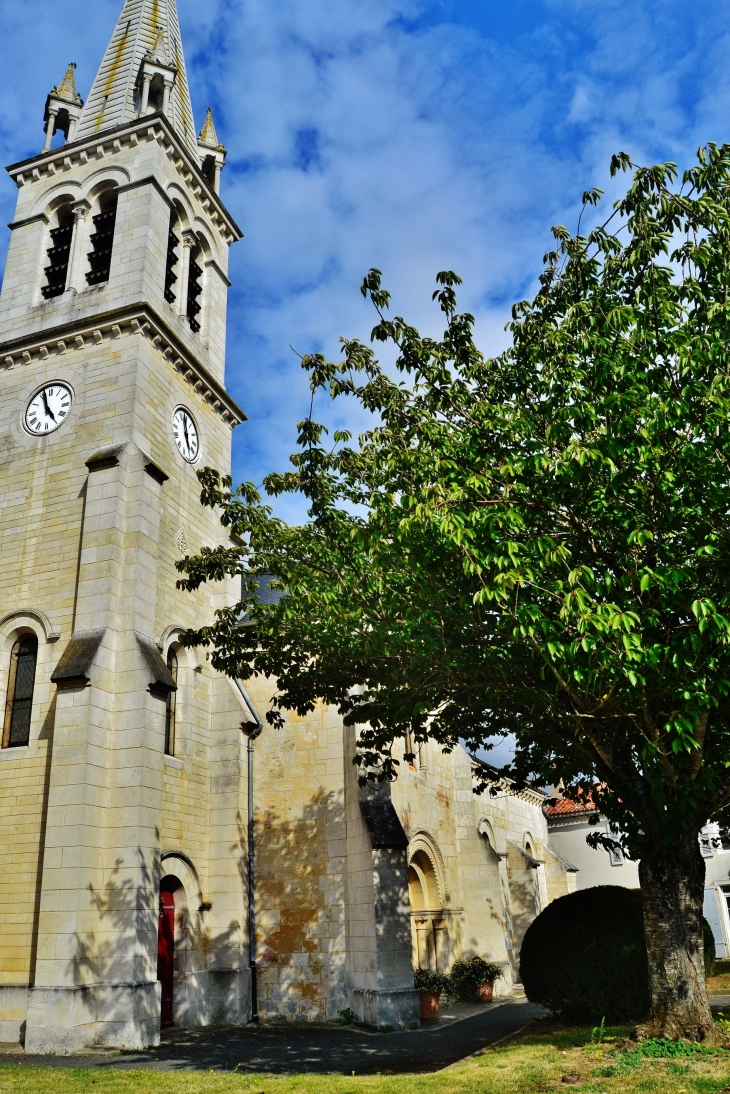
<point x="195" y="288"/>
<point x="59" y="253"/>
<point x="172" y="259"/>
<point x="102" y="239"/>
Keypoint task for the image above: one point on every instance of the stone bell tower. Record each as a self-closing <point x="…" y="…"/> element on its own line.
<point x="121" y="761"/>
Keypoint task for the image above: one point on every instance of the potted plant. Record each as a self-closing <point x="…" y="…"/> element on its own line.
<point x="474" y="980"/>
<point x="429" y="986"/>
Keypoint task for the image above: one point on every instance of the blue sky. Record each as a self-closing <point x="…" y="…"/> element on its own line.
<point x="412" y="135"/>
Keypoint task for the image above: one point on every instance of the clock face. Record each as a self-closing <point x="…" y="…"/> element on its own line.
<point x="48" y="409"/>
<point x="186" y="434"/>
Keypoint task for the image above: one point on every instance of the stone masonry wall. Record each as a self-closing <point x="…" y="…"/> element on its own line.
<point x="300" y="865"/>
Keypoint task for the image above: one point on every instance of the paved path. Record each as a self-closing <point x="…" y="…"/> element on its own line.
<point x="282" y="1049"/>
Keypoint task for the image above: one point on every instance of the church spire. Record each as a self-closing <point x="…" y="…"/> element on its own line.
<point x="66" y="90"/>
<point x="208" y="137"/>
<point x="212" y="153"/>
<point x="143" y="71"/>
<point x="63" y="108"/>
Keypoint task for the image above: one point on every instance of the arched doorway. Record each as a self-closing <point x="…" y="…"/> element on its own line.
<point x="166" y="947"/>
<point x="429" y="917"/>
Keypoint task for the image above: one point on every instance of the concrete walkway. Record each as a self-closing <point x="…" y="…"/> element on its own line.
<point x="282" y="1049"/>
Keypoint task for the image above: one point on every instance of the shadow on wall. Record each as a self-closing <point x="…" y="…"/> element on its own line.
<point x="128" y="912"/>
<point x="123" y="948"/>
<point x="524" y="899"/>
<point x="300" y="894"/>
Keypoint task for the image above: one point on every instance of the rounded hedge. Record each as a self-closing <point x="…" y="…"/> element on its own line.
<point x="584" y="957"/>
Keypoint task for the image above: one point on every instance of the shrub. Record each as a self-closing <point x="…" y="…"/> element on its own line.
<point x="427" y="980"/>
<point x="467" y="976"/>
<point x="584" y="957"/>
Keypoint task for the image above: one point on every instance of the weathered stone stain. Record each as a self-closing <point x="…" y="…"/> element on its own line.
<point x="292" y="864"/>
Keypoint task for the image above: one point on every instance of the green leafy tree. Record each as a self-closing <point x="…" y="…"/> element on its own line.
<point x="534" y="544"/>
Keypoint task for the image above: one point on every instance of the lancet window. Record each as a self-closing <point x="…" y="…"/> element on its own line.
<point x="59" y="254"/>
<point x="170" y="707"/>
<point x="19" y="704"/>
<point x="102" y="239"/>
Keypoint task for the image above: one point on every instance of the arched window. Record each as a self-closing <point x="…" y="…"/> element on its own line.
<point x="58" y="254"/>
<point x="170" y="707"/>
<point x="173" y="242"/>
<point x="102" y="239"/>
<point x="19" y="705"/>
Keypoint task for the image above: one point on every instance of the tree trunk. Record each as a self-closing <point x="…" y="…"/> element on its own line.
<point x="672" y="892"/>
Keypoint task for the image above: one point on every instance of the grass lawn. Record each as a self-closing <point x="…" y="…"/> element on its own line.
<point x="546" y="1057"/>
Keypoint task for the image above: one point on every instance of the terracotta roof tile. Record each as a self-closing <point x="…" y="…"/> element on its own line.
<point x="565" y="807"/>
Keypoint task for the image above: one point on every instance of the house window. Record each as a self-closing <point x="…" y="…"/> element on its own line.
<point x="170" y="706"/>
<point x="19" y="705"/>
<point x="58" y="255"/>
<point x="726" y="898"/>
<point x="102" y="239"/>
<point x="195" y="289"/>
<point x="173" y="242"/>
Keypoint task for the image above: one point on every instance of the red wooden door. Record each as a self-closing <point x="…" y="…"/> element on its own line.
<point x="166" y="953"/>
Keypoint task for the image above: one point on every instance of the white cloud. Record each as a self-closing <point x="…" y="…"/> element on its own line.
<point x="377" y="132"/>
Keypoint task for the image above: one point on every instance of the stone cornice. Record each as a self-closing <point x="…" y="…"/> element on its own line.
<point x="490" y="775"/>
<point x="98" y="147"/>
<point x="39" y="217"/>
<point x="65" y="338"/>
<point x="566" y="819"/>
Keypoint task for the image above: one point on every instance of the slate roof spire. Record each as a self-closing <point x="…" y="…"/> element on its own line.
<point x="66" y="90"/>
<point x="208" y="136"/>
<point x="145" y="48"/>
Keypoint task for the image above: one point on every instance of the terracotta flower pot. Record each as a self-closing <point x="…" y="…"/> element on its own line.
<point x="429" y="1001"/>
<point x="484" y="992"/>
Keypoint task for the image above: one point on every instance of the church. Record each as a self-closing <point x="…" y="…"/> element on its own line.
<point x="163" y="861"/>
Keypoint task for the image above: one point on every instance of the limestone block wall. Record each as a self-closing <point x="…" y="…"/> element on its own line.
<point x="23" y="796"/>
<point x="362" y="964"/>
<point x="489" y="891"/>
<point x="301" y="864"/>
<point x="92" y="811"/>
<point x="98" y="550"/>
<point x="426" y="797"/>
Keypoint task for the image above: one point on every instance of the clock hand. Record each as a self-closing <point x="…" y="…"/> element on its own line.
<point x="185" y="431"/>
<point x="49" y="412"/>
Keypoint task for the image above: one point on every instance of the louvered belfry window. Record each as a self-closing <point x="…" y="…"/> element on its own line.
<point x="58" y="255"/>
<point x="102" y="239"/>
<point x="170" y="708"/>
<point x="173" y="241"/>
<point x="19" y="705"/>
<point x="195" y="288"/>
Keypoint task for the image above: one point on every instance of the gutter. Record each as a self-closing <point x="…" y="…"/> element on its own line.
<point x="252" y="732"/>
